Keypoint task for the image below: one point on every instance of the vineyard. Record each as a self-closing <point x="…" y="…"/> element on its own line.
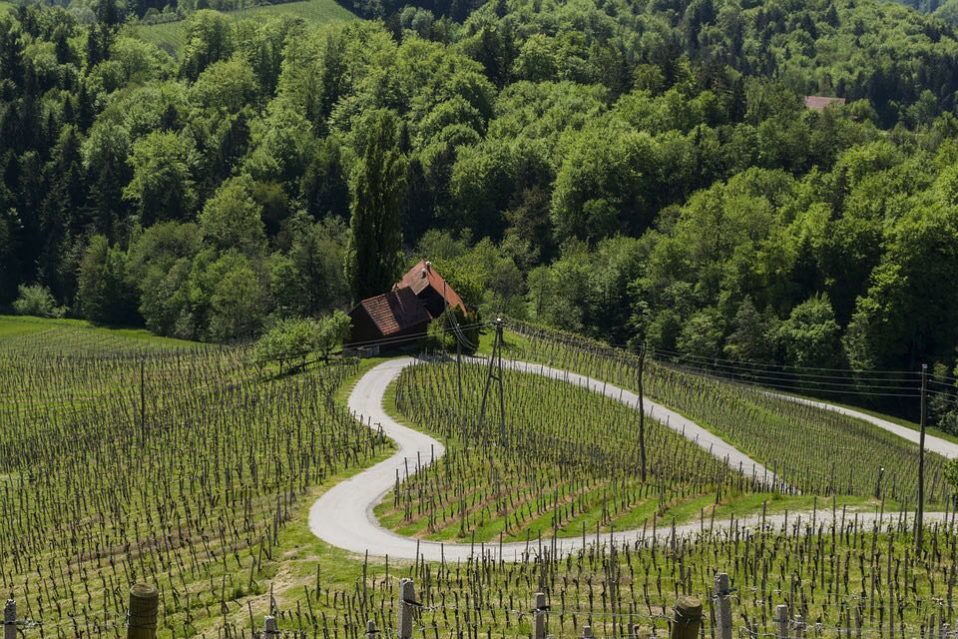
<point x="127" y="459"/>
<point x="818" y="451"/>
<point x="568" y="460"/>
<point x="174" y="466"/>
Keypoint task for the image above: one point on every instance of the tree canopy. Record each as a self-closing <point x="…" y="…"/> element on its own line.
<point x="640" y="171"/>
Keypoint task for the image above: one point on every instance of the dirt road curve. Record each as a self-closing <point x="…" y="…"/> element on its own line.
<point x="343" y="516"/>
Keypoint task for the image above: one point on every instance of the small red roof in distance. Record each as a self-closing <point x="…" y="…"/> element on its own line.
<point x="819" y="102"/>
<point x="396" y="311"/>
<point x="422" y="275"/>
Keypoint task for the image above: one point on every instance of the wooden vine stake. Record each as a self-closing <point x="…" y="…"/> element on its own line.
<point x="10" y="620"/>
<point x="270" y="627"/>
<point x="144" y="603"/>
<point x="688" y="618"/>
<point x="641" y="632"/>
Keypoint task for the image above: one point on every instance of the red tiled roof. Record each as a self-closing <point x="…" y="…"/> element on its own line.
<point x="395" y="311"/>
<point x="422" y="275"/>
<point x="819" y="102"/>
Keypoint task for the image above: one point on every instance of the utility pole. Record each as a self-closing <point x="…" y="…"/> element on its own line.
<point x="919" y="517"/>
<point x="459" y="367"/>
<point x="502" y="393"/>
<point x="642" y="409"/>
<point x="453" y="324"/>
<point x="143" y="399"/>
<point x="495" y="373"/>
<point x="449" y="326"/>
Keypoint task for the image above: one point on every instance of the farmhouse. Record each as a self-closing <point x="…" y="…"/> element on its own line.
<point x="431" y="289"/>
<point x="398" y="317"/>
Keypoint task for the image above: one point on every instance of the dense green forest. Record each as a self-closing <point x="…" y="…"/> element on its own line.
<point x="637" y="170"/>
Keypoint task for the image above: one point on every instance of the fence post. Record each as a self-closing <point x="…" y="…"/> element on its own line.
<point x="781" y="620"/>
<point x="10" y="620"/>
<point x="407" y="600"/>
<point x="688" y="618"/>
<point x="270" y="627"/>
<point x="141" y="616"/>
<point x="799" y="626"/>
<point x="723" y="604"/>
<point x="540" y="616"/>
<point x="371" y="631"/>
<point x="641" y="632"/>
<point x="587" y="632"/>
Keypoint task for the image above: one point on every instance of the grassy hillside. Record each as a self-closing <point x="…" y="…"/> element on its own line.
<point x="77" y="336"/>
<point x="172" y="36"/>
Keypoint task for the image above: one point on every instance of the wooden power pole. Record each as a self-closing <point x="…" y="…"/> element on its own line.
<point x="920" y="515"/>
<point x="143" y="399"/>
<point x="453" y="324"/>
<point x="642" y="409"/>
<point x="495" y="374"/>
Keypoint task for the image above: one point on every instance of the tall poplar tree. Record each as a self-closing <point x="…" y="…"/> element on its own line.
<point x="377" y="189"/>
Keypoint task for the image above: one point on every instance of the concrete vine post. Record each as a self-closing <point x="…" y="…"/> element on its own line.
<point x="540" y="616"/>
<point x="407" y="602"/>
<point x="781" y="620"/>
<point x="723" y="605"/>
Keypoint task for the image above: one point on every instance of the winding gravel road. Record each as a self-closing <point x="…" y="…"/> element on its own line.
<point x="343" y="516"/>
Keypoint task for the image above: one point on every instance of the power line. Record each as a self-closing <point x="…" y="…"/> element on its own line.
<point x="785" y="366"/>
<point x="827" y="387"/>
<point x="736" y="372"/>
<point x="787" y="375"/>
